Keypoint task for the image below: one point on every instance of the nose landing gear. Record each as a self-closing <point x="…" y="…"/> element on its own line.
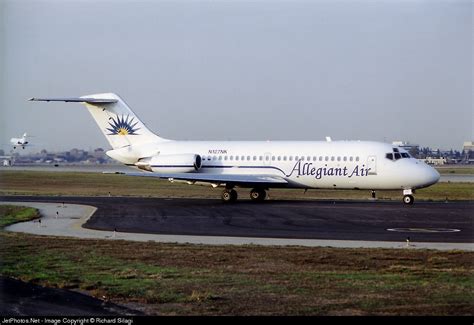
<point x="408" y="197"/>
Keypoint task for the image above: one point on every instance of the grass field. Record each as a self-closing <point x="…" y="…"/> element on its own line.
<point x="172" y="279"/>
<point x="74" y="183"/>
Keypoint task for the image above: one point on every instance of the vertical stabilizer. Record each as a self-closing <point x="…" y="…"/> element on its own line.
<point x="118" y="122"/>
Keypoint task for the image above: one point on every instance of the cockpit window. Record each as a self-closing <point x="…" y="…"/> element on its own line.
<point x="395" y="150"/>
<point x="397" y="155"/>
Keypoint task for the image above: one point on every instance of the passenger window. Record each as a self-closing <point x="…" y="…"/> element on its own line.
<point x="296" y="157"/>
<point x="279" y="158"/>
<point x="236" y="157"/>
<point x="231" y="157"/>
<point x="320" y="158"/>
<point x="273" y="158"/>
<point x="248" y="157"/>
<point x="332" y="158"/>
<point x="284" y="158"/>
<point x="357" y="158"/>
<point x="338" y="158"/>
<point x="345" y="158"/>
<point x="254" y="158"/>
<point x="214" y="158"/>
<point x="308" y="158"/>
<point x="225" y="157"/>
<point x="290" y="158"/>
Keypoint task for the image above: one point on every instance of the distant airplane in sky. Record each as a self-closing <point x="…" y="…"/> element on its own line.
<point x="20" y="142"/>
<point x="259" y="165"/>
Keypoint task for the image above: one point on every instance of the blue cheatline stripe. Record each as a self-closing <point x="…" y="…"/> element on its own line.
<point x="217" y="167"/>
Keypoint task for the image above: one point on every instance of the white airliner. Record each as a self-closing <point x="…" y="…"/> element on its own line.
<point x="19" y="142"/>
<point x="259" y="165"/>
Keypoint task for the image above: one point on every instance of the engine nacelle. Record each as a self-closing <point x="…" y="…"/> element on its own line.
<point x="182" y="163"/>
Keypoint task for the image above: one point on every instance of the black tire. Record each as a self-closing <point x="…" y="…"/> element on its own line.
<point x="408" y="199"/>
<point x="229" y="196"/>
<point x="234" y="196"/>
<point x="258" y="195"/>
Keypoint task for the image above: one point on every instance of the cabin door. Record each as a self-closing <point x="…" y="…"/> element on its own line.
<point x="372" y="164"/>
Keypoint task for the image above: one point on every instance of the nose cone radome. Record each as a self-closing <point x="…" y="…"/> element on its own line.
<point x="430" y="176"/>
<point x="435" y="176"/>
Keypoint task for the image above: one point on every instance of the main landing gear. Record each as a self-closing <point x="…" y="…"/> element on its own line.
<point x="229" y="195"/>
<point x="258" y="194"/>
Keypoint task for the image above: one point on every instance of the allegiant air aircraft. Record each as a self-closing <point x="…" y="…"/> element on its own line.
<point x="259" y="165"/>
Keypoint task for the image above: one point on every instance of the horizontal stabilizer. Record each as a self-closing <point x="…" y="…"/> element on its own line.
<point x="76" y="100"/>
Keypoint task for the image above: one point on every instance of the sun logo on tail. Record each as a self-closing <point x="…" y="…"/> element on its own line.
<point x="123" y="126"/>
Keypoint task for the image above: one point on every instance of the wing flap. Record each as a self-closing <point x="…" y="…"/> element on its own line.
<point x="215" y="178"/>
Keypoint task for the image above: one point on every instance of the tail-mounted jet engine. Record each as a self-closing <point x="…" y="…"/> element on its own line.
<point x="182" y="163"/>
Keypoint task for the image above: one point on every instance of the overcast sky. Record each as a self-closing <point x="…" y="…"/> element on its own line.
<point x="241" y="70"/>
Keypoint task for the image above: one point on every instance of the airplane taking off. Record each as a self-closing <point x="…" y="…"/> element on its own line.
<point x="19" y="142"/>
<point x="259" y="165"/>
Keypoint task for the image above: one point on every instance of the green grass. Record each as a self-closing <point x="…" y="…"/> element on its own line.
<point x="10" y="214"/>
<point x="172" y="279"/>
<point x="96" y="184"/>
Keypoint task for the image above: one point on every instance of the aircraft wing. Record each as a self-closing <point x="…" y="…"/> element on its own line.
<point x="216" y="178"/>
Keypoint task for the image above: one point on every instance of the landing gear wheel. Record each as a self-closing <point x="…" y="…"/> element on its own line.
<point x="258" y="195"/>
<point x="229" y="196"/>
<point x="408" y="199"/>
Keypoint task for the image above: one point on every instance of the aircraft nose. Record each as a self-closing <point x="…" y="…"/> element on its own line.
<point x="431" y="175"/>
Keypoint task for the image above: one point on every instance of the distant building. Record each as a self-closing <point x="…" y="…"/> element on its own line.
<point x="6" y="160"/>
<point x="435" y="161"/>
<point x="468" y="152"/>
<point x="468" y="145"/>
<point x="413" y="149"/>
<point x="405" y="145"/>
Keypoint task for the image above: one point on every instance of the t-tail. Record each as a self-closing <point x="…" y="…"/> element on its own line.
<point x="121" y="127"/>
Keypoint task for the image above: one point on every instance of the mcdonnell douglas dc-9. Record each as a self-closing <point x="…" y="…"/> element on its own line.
<point x="258" y="165"/>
